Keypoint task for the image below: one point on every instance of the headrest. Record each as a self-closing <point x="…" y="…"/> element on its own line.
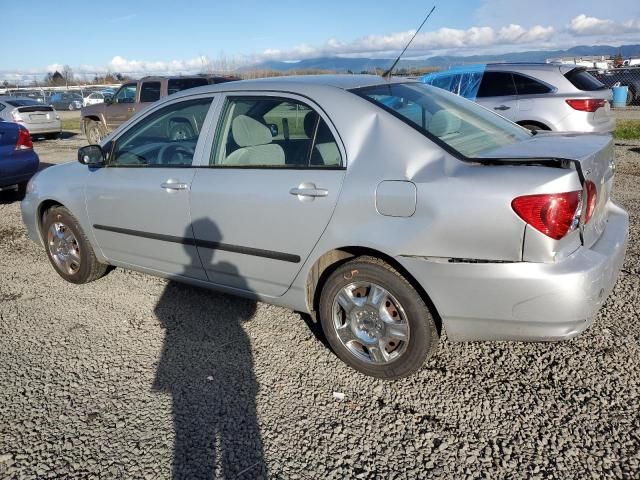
<point x="248" y="132"/>
<point x="443" y="123"/>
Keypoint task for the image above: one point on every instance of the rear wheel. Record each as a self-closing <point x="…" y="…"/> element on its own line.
<point x="72" y="107"/>
<point x="94" y="131"/>
<point x="533" y="127"/>
<point x="375" y="321"/>
<point x="68" y="248"/>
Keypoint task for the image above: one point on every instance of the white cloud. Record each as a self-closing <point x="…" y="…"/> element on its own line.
<point x="424" y="43"/>
<point x="584" y="25"/>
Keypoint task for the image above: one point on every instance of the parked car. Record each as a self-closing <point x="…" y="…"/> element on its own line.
<point x="65" y="100"/>
<point x="39" y="119"/>
<point x="538" y="96"/>
<point x="385" y="224"/>
<point x="18" y="161"/>
<point x="629" y="77"/>
<point x="96" y="97"/>
<point x="133" y="97"/>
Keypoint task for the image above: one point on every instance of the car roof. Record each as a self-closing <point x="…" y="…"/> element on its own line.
<point x="297" y="83"/>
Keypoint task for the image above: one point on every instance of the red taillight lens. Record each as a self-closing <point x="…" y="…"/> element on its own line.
<point x="587" y="104"/>
<point x="592" y="195"/>
<point x="24" y="140"/>
<point x="553" y="214"/>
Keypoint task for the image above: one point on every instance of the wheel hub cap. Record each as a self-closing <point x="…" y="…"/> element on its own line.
<point x="63" y="248"/>
<point x="370" y="322"/>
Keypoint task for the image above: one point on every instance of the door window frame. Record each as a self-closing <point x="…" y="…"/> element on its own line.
<point x="110" y="146"/>
<point x="215" y="126"/>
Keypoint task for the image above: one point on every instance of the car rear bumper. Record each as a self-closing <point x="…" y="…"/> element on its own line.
<point x="38" y="128"/>
<point x="523" y="300"/>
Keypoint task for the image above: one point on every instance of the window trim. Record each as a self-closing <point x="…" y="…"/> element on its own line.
<point x="276" y="95"/>
<point x="120" y="132"/>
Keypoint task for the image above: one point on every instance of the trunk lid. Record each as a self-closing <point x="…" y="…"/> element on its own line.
<point x="593" y="158"/>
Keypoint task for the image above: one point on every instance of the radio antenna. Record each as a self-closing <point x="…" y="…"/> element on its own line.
<point x="387" y="74"/>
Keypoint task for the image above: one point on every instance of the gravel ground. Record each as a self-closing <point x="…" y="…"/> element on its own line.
<point x="135" y="377"/>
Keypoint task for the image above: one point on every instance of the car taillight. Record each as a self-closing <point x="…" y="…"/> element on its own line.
<point x="15" y="116"/>
<point x="592" y="195"/>
<point x="24" y="140"/>
<point x="553" y="214"/>
<point x="586" y="104"/>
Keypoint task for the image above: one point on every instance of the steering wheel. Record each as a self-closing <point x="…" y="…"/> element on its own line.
<point x="175" y="154"/>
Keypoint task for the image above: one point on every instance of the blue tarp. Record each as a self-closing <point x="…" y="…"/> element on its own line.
<point x="463" y="81"/>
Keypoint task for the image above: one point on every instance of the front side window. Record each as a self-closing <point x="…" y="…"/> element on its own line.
<point x="165" y="138"/>
<point x="460" y="124"/>
<point x="496" y="84"/>
<point x="126" y="94"/>
<point x="150" y="92"/>
<point x="273" y="132"/>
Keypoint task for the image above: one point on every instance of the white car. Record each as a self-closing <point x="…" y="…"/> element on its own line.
<point x="95" y="97"/>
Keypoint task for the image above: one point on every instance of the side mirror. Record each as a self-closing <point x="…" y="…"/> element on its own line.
<point x="91" y="155"/>
<point x="108" y="100"/>
<point x="274" y="129"/>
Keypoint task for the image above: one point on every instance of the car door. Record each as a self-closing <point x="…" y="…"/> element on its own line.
<point x="138" y="204"/>
<point x="497" y="92"/>
<point x="122" y="107"/>
<point x="267" y="191"/>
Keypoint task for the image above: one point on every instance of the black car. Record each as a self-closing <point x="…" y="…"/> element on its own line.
<point x="629" y="77"/>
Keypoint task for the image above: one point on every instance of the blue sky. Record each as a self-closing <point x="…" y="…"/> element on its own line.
<point x="158" y="35"/>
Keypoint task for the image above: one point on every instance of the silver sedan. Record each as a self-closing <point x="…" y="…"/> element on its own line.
<point x="390" y="211"/>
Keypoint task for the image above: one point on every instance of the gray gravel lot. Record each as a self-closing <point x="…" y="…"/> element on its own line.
<point x="132" y="376"/>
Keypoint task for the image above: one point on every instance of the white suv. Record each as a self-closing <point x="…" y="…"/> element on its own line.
<point x="538" y="96"/>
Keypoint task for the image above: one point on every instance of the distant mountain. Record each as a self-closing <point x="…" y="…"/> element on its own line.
<point x="357" y="65"/>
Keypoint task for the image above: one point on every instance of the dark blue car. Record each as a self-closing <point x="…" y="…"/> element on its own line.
<point x="18" y="161"/>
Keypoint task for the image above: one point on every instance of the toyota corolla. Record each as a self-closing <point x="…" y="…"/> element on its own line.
<point x="390" y="211"/>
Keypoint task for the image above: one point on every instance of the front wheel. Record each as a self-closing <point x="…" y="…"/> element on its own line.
<point x="94" y="131"/>
<point x="68" y="248"/>
<point x="375" y="321"/>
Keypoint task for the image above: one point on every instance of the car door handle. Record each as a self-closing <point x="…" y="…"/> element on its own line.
<point x="501" y="107"/>
<point x="308" y="191"/>
<point x="174" y="186"/>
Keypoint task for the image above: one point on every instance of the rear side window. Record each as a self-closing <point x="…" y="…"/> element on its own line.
<point x="528" y="85"/>
<point x="273" y="132"/>
<point x="179" y="84"/>
<point x="496" y="84"/>
<point x="583" y="80"/>
<point x="150" y="92"/>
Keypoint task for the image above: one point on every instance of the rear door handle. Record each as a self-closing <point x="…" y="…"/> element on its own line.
<point x="308" y="191"/>
<point x="501" y="107"/>
<point x="172" y="185"/>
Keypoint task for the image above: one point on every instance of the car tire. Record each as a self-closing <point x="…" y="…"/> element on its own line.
<point x="386" y="330"/>
<point x="94" y="132"/>
<point x="68" y="248"/>
<point x="72" y="107"/>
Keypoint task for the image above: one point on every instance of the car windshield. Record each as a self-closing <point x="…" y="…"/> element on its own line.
<point x="460" y="124"/>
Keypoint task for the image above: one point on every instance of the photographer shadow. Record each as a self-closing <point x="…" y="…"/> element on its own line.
<point x="206" y="365"/>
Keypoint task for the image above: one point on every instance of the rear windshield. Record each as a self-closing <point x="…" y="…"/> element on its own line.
<point x="583" y="80"/>
<point x="22" y="102"/>
<point x="460" y="124"/>
<point x="178" y="84"/>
